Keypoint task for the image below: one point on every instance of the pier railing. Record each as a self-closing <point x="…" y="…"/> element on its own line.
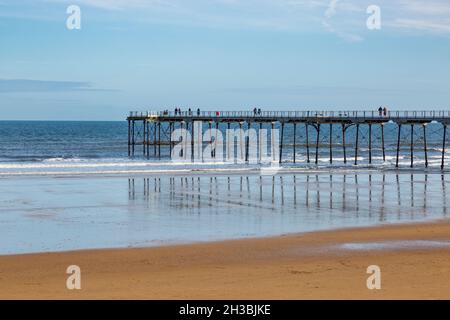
<point x="373" y="114"/>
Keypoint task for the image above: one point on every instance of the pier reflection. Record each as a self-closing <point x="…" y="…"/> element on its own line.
<point x="381" y="197"/>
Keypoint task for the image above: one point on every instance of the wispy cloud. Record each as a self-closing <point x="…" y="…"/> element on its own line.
<point x="432" y="16"/>
<point x="330" y="12"/>
<point x="426" y="7"/>
<point x="27" y="85"/>
<point x="424" y="25"/>
<point x="345" y="18"/>
<point x="122" y="4"/>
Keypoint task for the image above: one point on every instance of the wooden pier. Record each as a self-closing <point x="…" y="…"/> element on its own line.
<point x="152" y="130"/>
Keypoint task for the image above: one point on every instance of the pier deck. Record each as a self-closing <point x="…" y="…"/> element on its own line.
<point x="297" y="116"/>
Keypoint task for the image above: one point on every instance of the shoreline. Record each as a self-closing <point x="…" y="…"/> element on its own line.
<point x="314" y="265"/>
<point x="251" y="171"/>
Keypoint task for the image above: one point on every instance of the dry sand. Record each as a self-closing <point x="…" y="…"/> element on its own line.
<point x="308" y="266"/>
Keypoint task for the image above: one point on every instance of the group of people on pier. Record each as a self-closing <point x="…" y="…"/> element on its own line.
<point x="189" y="112"/>
<point x="382" y="111"/>
<point x="257" y="112"/>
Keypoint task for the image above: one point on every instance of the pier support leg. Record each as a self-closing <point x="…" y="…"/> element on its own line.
<point x="272" y="143"/>
<point x="307" y="143"/>
<point x="230" y="144"/>
<point x="331" y="143"/>
<point x="241" y="143"/>
<point x="370" y="143"/>
<point x="356" y="144"/>
<point x="170" y="138"/>
<point x="129" y="138"/>
<point x="382" y="142"/>
<point x="281" y="143"/>
<point x="412" y="146"/>
<point x="247" y="141"/>
<point x="425" y="147"/>
<point x="317" y="143"/>
<point x="132" y="138"/>
<point x="210" y="138"/>
<point x="144" y="136"/>
<point x="215" y="141"/>
<point x="343" y="144"/>
<point x="295" y="141"/>
<point x="260" y="143"/>
<point x="182" y="153"/>
<point x="192" y="142"/>
<point x="443" y="147"/>
<point x="398" y="144"/>
<point x="148" y="140"/>
<point x="159" y="140"/>
<point x="154" y="139"/>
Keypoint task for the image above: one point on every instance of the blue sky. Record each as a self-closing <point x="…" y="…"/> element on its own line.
<point x="220" y="54"/>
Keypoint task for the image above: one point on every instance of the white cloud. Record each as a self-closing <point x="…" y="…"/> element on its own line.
<point x="422" y="25"/>
<point x="430" y="7"/>
<point x="331" y="10"/>
<point x="119" y="4"/>
<point x="345" y="18"/>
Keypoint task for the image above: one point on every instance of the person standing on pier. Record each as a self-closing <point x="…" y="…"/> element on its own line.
<point x="385" y="111"/>
<point x="380" y="111"/>
<point x="198" y="112"/>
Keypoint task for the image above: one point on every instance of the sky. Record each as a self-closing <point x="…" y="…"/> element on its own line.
<point x="220" y="55"/>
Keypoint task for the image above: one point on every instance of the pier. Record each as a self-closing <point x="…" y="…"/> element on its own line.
<point x="153" y="130"/>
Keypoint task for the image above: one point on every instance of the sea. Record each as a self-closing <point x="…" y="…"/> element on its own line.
<point x="30" y="148"/>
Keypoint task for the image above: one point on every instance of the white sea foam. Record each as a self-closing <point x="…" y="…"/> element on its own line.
<point x="108" y="166"/>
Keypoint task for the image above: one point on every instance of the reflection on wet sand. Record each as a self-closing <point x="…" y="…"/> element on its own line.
<point x="374" y="196"/>
<point x="80" y="213"/>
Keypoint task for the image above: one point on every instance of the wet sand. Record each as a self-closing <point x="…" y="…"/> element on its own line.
<point x="83" y="213"/>
<point x="316" y="265"/>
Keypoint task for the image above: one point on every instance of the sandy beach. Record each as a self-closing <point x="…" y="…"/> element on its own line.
<point x="414" y="261"/>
